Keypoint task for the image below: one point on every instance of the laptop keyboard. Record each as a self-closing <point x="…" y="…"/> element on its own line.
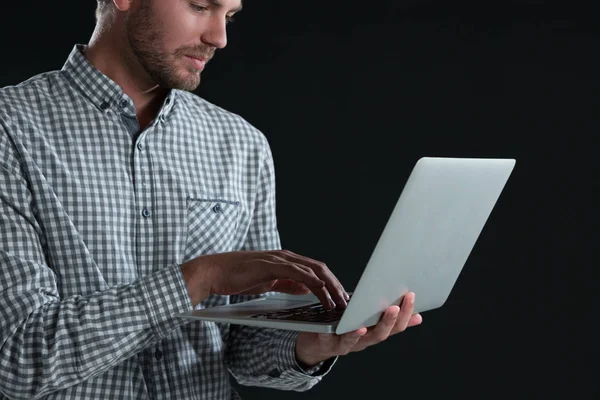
<point x="310" y="313"/>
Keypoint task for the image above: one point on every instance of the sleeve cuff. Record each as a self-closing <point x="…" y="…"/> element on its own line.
<point x="287" y="364"/>
<point x="165" y="294"/>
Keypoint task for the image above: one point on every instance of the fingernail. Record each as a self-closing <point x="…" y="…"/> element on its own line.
<point x="346" y="296"/>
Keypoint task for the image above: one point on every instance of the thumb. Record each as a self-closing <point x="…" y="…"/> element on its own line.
<point x="290" y="287"/>
<point x="260" y="288"/>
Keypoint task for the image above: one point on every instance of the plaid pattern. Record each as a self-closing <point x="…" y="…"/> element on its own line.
<point x="95" y="220"/>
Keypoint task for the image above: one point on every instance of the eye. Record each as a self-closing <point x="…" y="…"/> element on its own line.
<point x="198" y="8"/>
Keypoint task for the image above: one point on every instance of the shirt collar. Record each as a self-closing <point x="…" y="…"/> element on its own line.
<point x="102" y="91"/>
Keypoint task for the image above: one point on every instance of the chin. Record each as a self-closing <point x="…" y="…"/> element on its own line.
<point x="189" y="84"/>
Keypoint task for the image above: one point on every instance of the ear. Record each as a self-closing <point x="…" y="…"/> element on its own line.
<point x="123" y="5"/>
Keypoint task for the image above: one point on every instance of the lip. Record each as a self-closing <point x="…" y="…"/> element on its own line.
<point x="198" y="63"/>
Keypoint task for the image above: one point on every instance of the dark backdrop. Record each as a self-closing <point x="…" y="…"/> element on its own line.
<point x="350" y="96"/>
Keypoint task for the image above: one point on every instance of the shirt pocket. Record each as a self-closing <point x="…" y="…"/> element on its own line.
<point x="211" y="226"/>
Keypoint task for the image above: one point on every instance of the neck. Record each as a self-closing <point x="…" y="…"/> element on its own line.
<point x="111" y="55"/>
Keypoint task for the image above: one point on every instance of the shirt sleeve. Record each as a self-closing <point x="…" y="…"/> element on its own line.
<point x="259" y="356"/>
<point x="49" y="343"/>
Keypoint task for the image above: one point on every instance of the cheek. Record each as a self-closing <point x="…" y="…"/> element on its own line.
<point x="178" y="27"/>
<point x="182" y="32"/>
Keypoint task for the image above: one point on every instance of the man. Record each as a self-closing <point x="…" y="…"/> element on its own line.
<point x="124" y="200"/>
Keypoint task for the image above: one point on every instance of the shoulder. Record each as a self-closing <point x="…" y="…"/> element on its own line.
<point x="23" y="105"/>
<point x="226" y="123"/>
<point x="30" y="97"/>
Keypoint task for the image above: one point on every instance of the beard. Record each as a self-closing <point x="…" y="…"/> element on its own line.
<point x="145" y="37"/>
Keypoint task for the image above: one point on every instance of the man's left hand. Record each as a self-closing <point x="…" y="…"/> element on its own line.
<point x="312" y="348"/>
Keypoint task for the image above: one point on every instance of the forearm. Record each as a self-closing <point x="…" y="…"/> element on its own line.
<point x="266" y="357"/>
<point x="263" y="357"/>
<point x="194" y="275"/>
<point x="256" y="356"/>
<point x="56" y="343"/>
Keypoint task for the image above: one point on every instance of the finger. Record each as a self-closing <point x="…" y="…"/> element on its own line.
<point x="415" y="319"/>
<point x="283" y="269"/>
<point x="261" y="288"/>
<point x="384" y="327"/>
<point x="280" y="285"/>
<point x="406" y="312"/>
<point x="279" y="268"/>
<point x="290" y="287"/>
<point x="334" y="286"/>
<point x="319" y="290"/>
<point x="324" y="297"/>
<point x="348" y="341"/>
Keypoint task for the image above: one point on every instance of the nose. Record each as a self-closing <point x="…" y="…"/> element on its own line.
<point x="215" y="34"/>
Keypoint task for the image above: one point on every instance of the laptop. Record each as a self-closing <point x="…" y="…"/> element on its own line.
<point x="423" y="248"/>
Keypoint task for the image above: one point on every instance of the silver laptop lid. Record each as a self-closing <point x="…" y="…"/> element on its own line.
<point x="428" y="237"/>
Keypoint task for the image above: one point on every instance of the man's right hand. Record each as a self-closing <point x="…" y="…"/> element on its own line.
<point x="256" y="272"/>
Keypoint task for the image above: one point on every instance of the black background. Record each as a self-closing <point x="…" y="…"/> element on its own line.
<point x="350" y="95"/>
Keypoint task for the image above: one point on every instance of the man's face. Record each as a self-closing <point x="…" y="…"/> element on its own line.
<point x="166" y="35"/>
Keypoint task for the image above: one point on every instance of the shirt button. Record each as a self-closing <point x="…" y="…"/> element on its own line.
<point x="217" y="208"/>
<point x="140" y="146"/>
<point x="158" y="355"/>
<point x="274" y="373"/>
<point x="123" y="103"/>
<point x="146" y="213"/>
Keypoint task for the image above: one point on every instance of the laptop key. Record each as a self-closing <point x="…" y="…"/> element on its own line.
<point x="310" y="313"/>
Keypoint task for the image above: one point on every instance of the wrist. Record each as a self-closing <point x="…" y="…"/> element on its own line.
<point x="306" y="355"/>
<point x="196" y="281"/>
<point x="307" y="364"/>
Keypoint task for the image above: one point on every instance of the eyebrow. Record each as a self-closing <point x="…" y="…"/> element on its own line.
<point x="217" y="3"/>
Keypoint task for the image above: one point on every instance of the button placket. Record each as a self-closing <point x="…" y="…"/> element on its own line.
<point x="145" y="202"/>
<point x="140" y="146"/>
<point x="146" y="212"/>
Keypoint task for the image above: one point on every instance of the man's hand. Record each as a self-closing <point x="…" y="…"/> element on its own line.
<point x="312" y="348"/>
<point x="256" y="272"/>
